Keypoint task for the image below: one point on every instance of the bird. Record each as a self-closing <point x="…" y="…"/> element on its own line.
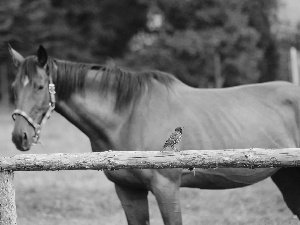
<point x="174" y="139"/>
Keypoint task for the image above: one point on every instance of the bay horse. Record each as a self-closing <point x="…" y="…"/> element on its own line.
<point x="122" y="110"/>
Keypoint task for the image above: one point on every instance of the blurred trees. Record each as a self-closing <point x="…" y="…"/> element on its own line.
<point x="79" y="30"/>
<point x="88" y="31"/>
<point x="7" y="12"/>
<point x="213" y="43"/>
<point x="99" y="29"/>
<point x="261" y="14"/>
<point x="209" y="43"/>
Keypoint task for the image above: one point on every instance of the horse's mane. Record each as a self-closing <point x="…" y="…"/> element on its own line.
<point x="126" y="85"/>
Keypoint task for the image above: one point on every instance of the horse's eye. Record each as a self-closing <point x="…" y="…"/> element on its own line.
<point x="41" y="87"/>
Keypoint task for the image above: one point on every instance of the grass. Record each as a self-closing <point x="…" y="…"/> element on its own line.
<point x="87" y="197"/>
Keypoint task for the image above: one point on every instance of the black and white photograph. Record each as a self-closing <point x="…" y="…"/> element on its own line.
<point x="139" y="112"/>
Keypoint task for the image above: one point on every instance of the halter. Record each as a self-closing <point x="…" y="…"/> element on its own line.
<point x="38" y="126"/>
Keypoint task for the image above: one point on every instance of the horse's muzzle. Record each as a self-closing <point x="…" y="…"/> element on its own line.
<point x="22" y="134"/>
<point x="21" y="142"/>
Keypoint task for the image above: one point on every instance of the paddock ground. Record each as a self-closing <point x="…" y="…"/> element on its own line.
<point x="87" y="197"/>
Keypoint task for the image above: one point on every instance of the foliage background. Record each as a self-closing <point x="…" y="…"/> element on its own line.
<point x="204" y="43"/>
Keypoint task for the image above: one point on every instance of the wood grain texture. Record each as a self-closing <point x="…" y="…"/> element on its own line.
<point x="114" y="160"/>
<point x="8" y="214"/>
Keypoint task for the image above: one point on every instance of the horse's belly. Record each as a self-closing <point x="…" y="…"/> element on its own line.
<point x="224" y="178"/>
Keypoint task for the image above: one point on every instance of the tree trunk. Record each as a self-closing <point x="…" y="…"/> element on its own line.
<point x="294" y="65"/>
<point x="219" y="79"/>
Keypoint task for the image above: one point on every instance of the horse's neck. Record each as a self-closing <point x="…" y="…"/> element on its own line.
<point x="125" y="129"/>
<point x="94" y="115"/>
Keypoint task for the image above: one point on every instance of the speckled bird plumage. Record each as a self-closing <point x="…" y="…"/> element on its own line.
<point x="174" y="139"/>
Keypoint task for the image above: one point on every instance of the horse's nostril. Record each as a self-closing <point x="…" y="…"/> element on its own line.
<point x="24" y="136"/>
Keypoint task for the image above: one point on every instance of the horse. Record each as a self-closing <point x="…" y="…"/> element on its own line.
<point x="137" y="111"/>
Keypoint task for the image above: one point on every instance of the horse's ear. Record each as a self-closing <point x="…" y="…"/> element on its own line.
<point x="42" y="56"/>
<point x="16" y="56"/>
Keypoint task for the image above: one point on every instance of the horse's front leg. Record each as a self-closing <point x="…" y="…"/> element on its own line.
<point x="135" y="204"/>
<point x="165" y="187"/>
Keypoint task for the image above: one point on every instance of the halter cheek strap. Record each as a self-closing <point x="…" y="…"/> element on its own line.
<point x="38" y="126"/>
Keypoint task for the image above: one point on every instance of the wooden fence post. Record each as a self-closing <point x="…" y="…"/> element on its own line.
<point x="8" y="213"/>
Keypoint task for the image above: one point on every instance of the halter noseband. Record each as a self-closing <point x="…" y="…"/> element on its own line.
<point x="38" y="126"/>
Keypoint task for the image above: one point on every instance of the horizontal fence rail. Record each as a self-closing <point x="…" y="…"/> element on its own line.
<point x="114" y="160"/>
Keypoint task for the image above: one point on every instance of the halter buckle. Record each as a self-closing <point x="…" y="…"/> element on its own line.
<point x="52" y="89"/>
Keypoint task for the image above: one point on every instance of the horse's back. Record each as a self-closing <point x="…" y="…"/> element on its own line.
<point x="244" y="116"/>
<point x="251" y="116"/>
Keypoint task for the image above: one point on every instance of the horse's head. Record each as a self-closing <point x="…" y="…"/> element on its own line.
<point x="32" y="98"/>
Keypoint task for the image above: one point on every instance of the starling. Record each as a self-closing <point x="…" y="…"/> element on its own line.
<point x="174" y="139"/>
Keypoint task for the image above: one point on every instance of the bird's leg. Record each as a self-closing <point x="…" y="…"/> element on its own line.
<point x="175" y="149"/>
<point x="193" y="169"/>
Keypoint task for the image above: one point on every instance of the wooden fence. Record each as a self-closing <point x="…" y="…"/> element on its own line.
<point x="114" y="160"/>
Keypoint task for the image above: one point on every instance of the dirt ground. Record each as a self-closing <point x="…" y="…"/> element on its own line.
<point x="87" y="197"/>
